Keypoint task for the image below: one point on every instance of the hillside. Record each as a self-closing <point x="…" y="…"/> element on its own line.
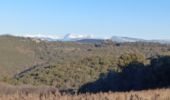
<point x="19" y="54"/>
<point x="66" y="65"/>
<point x="16" y="54"/>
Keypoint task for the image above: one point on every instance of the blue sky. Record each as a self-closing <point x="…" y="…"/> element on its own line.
<point x="148" y="19"/>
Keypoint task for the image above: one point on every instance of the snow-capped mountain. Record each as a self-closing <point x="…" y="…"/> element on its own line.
<point x="49" y="37"/>
<point x="128" y="39"/>
<point x="75" y="37"/>
<point x="89" y="38"/>
<point x="125" y="39"/>
<point x="161" y="41"/>
<point x="42" y="37"/>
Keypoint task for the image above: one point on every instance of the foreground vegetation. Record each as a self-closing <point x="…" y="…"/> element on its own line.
<point x="27" y="92"/>
<point x="158" y="94"/>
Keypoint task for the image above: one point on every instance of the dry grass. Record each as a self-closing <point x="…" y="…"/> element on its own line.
<point x="159" y="94"/>
<point x="9" y="92"/>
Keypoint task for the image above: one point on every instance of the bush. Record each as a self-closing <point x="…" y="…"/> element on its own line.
<point x="135" y="76"/>
<point x="129" y="58"/>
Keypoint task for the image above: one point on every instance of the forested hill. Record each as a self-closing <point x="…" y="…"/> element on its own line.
<point x="66" y="64"/>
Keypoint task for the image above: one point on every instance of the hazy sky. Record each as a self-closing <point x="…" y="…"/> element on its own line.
<point x="103" y="18"/>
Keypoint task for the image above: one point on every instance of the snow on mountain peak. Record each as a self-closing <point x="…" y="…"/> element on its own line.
<point x="125" y="39"/>
<point x="42" y="36"/>
<point x="53" y="37"/>
<point x="77" y="36"/>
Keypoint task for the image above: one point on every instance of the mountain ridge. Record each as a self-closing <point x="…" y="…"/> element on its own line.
<point x="87" y="38"/>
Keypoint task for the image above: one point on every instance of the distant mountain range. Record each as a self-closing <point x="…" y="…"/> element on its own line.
<point x="76" y="37"/>
<point x="90" y="38"/>
<point x="128" y="39"/>
<point x="125" y="39"/>
<point x="41" y="36"/>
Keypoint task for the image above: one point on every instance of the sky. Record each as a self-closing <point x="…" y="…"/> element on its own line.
<point x="147" y="19"/>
